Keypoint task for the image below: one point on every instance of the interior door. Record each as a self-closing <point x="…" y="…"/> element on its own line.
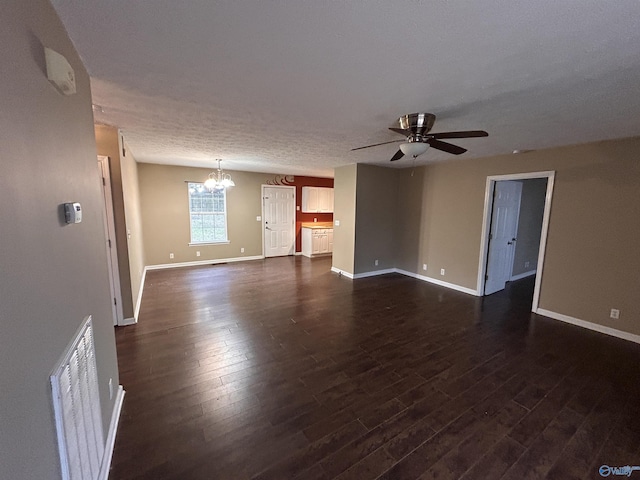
<point x="110" y="239"/>
<point x="279" y="220"/>
<point x="502" y="237"/>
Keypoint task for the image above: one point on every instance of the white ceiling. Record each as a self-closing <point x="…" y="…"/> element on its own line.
<point x="290" y="86"/>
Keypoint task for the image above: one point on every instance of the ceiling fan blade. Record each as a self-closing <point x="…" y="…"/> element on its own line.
<point x="376" y="144"/>
<point x="446" y="147"/>
<point x="397" y="156"/>
<point x="468" y="134"/>
<point x="401" y="131"/>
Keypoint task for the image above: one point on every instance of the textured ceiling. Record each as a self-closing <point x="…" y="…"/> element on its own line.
<point x="291" y="86"/>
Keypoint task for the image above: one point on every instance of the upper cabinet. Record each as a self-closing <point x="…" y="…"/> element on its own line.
<point x="317" y="200"/>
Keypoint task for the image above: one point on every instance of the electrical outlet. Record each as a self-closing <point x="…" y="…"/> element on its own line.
<point x="315" y="220"/>
<point x="171" y="255"/>
<point x="424" y="267"/>
<point x="242" y="250"/>
<point x="442" y="271"/>
<point x="198" y="253"/>
<point x="110" y="388"/>
<point x="615" y="313"/>
<point x="526" y="264"/>
<point x="376" y="262"/>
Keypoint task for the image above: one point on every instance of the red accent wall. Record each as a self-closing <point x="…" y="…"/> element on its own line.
<point x="299" y="182"/>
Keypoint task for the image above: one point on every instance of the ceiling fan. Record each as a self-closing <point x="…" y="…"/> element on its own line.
<point x="415" y="127"/>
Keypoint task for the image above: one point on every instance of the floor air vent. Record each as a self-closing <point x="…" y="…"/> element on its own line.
<point x="76" y="404"/>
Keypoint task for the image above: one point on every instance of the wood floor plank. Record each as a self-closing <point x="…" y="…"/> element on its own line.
<point x="230" y="375"/>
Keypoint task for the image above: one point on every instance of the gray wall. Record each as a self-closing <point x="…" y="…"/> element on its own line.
<point x="53" y="275"/>
<point x="529" y="225"/>
<point x="376" y="218"/>
<point x="410" y="210"/>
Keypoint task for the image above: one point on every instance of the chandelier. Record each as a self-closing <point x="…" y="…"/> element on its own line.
<point x="218" y="180"/>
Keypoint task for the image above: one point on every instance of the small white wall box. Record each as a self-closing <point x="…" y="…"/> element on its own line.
<point x="72" y="212"/>
<point x="59" y="72"/>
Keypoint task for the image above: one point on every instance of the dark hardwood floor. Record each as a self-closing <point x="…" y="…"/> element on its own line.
<point x="280" y="369"/>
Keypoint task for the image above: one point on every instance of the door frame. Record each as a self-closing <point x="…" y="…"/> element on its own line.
<point x="288" y="187"/>
<point x="486" y="223"/>
<point x="110" y="236"/>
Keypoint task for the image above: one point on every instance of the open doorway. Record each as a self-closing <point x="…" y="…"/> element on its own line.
<point x="516" y="221"/>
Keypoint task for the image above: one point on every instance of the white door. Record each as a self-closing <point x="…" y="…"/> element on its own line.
<point x="110" y="239"/>
<point x="279" y="212"/>
<point x="502" y="237"/>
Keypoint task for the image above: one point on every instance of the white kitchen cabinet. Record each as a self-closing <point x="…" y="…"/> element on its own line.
<point x="317" y="200"/>
<point x="317" y="241"/>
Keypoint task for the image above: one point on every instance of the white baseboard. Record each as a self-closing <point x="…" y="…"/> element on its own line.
<point x="111" y="434"/>
<point x="435" y="281"/>
<point x="136" y="311"/>
<point x="375" y="273"/>
<point x="452" y="286"/>
<point x="342" y="272"/>
<point x="203" y="262"/>
<point x="128" y="321"/>
<point x="523" y="275"/>
<point x="297" y="253"/>
<point x="589" y="325"/>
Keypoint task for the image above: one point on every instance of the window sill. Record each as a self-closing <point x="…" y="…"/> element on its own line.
<point x="199" y="244"/>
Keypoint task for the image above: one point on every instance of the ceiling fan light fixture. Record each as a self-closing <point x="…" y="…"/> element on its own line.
<point x="413" y="149"/>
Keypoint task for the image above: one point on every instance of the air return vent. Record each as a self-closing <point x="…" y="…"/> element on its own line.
<point x="76" y="404"/>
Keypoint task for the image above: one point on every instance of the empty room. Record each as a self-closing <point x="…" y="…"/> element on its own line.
<point x="320" y="240"/>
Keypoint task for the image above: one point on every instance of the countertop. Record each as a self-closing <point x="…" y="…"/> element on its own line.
<point x="316" y="225"/>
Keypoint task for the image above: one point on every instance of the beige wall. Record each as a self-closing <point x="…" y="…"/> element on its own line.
<point x="410" y="209"/>
<point x="344" y="211"/>
<point x="592" y="258"/>
<point x="376" y="223"/>
<point x="108" y="144"/>
<point x="133" y="216"/>
<point x="165" y="214"/>
<point x="53" y="274"/>
<point x="529" y="225"/>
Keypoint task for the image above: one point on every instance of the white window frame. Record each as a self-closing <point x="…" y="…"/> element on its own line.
<point x="224" y="213"/>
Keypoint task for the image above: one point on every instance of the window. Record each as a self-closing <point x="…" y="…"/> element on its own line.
<point x="208" y="214"/>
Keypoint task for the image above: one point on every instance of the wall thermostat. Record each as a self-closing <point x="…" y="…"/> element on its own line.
<point x="72" y="212"/>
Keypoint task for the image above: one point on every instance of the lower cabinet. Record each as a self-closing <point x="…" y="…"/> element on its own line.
<point x="317" y="241"/>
